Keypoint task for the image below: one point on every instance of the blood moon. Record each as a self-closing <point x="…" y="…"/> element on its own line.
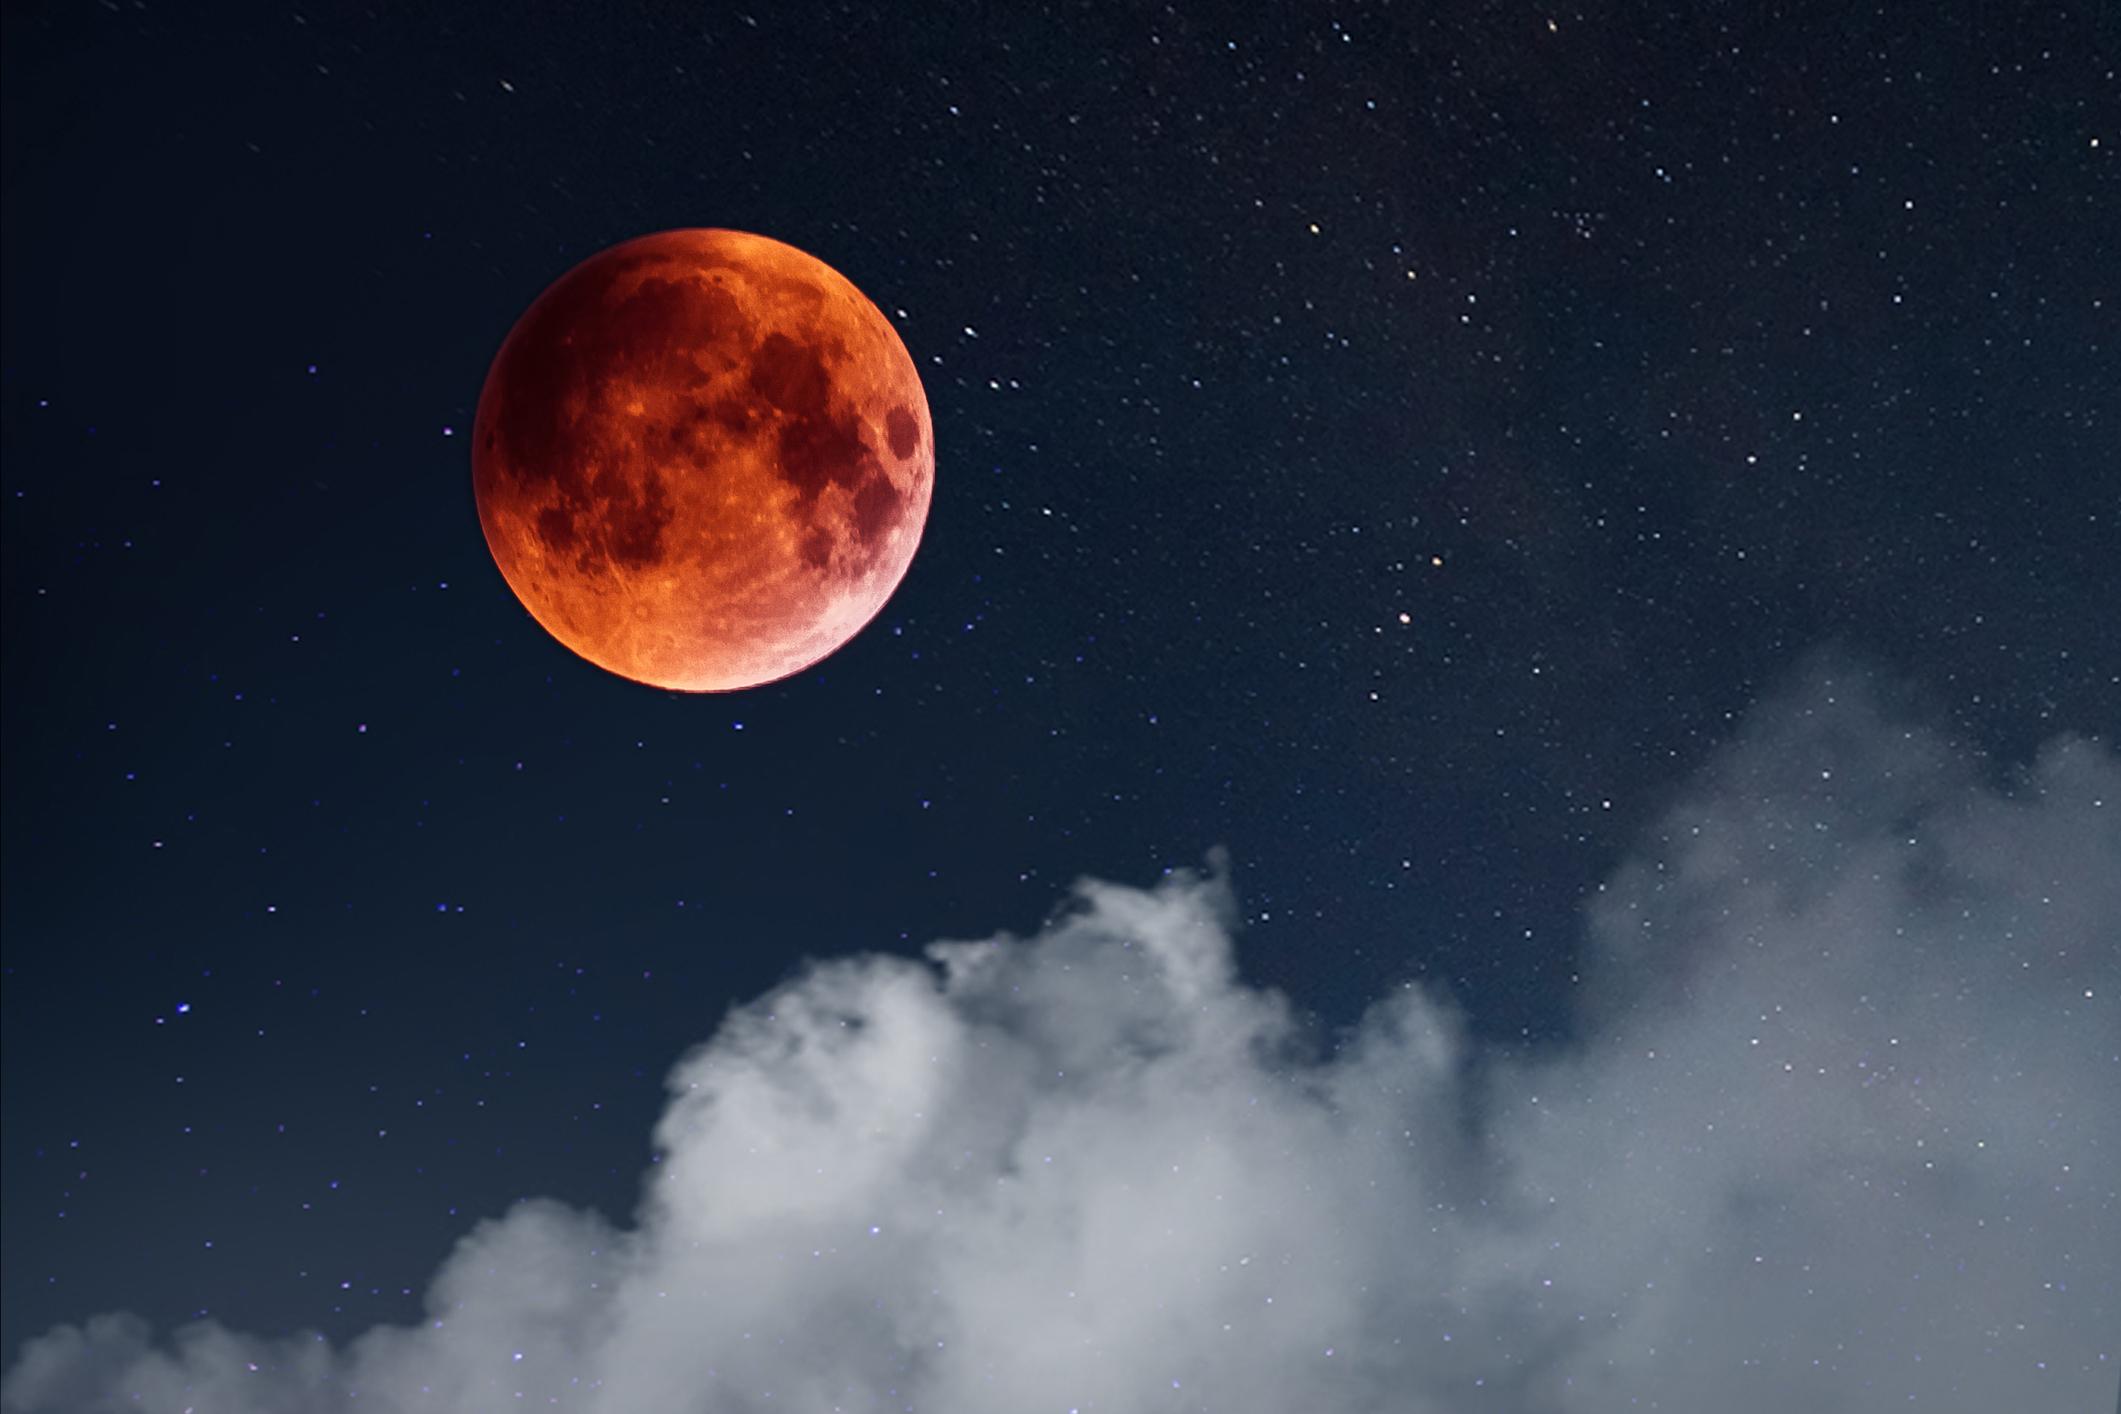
<point x="703" y="460"/>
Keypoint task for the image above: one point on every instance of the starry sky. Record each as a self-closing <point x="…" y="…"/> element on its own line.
<point x="1415" y="449"/>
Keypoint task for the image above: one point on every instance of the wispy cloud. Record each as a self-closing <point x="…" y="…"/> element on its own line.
<point x="1837" y="1133"/>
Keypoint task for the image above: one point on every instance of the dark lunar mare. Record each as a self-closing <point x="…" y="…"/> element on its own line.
<point x="537" y="427"/>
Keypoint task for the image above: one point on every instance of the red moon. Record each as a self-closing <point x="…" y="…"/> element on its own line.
<point x="703" y="460"/>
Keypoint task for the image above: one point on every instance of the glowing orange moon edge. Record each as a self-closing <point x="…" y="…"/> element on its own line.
<point x="703" y="460"/>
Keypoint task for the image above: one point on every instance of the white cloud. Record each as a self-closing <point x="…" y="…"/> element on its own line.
<point x="1838" y="1133"/>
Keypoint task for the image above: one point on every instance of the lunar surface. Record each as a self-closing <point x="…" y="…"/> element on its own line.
<point x="703" y="460"/>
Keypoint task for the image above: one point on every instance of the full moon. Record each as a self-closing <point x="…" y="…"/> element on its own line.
<point x="703" y="459"/>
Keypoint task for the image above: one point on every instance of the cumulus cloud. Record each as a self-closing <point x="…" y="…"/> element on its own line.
<point x="1837" y="1131"/>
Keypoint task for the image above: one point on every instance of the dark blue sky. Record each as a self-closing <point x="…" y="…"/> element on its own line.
<point x="1395" y="443"/>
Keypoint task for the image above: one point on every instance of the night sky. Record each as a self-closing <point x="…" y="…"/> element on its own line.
<point x="1414" y="448"/>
